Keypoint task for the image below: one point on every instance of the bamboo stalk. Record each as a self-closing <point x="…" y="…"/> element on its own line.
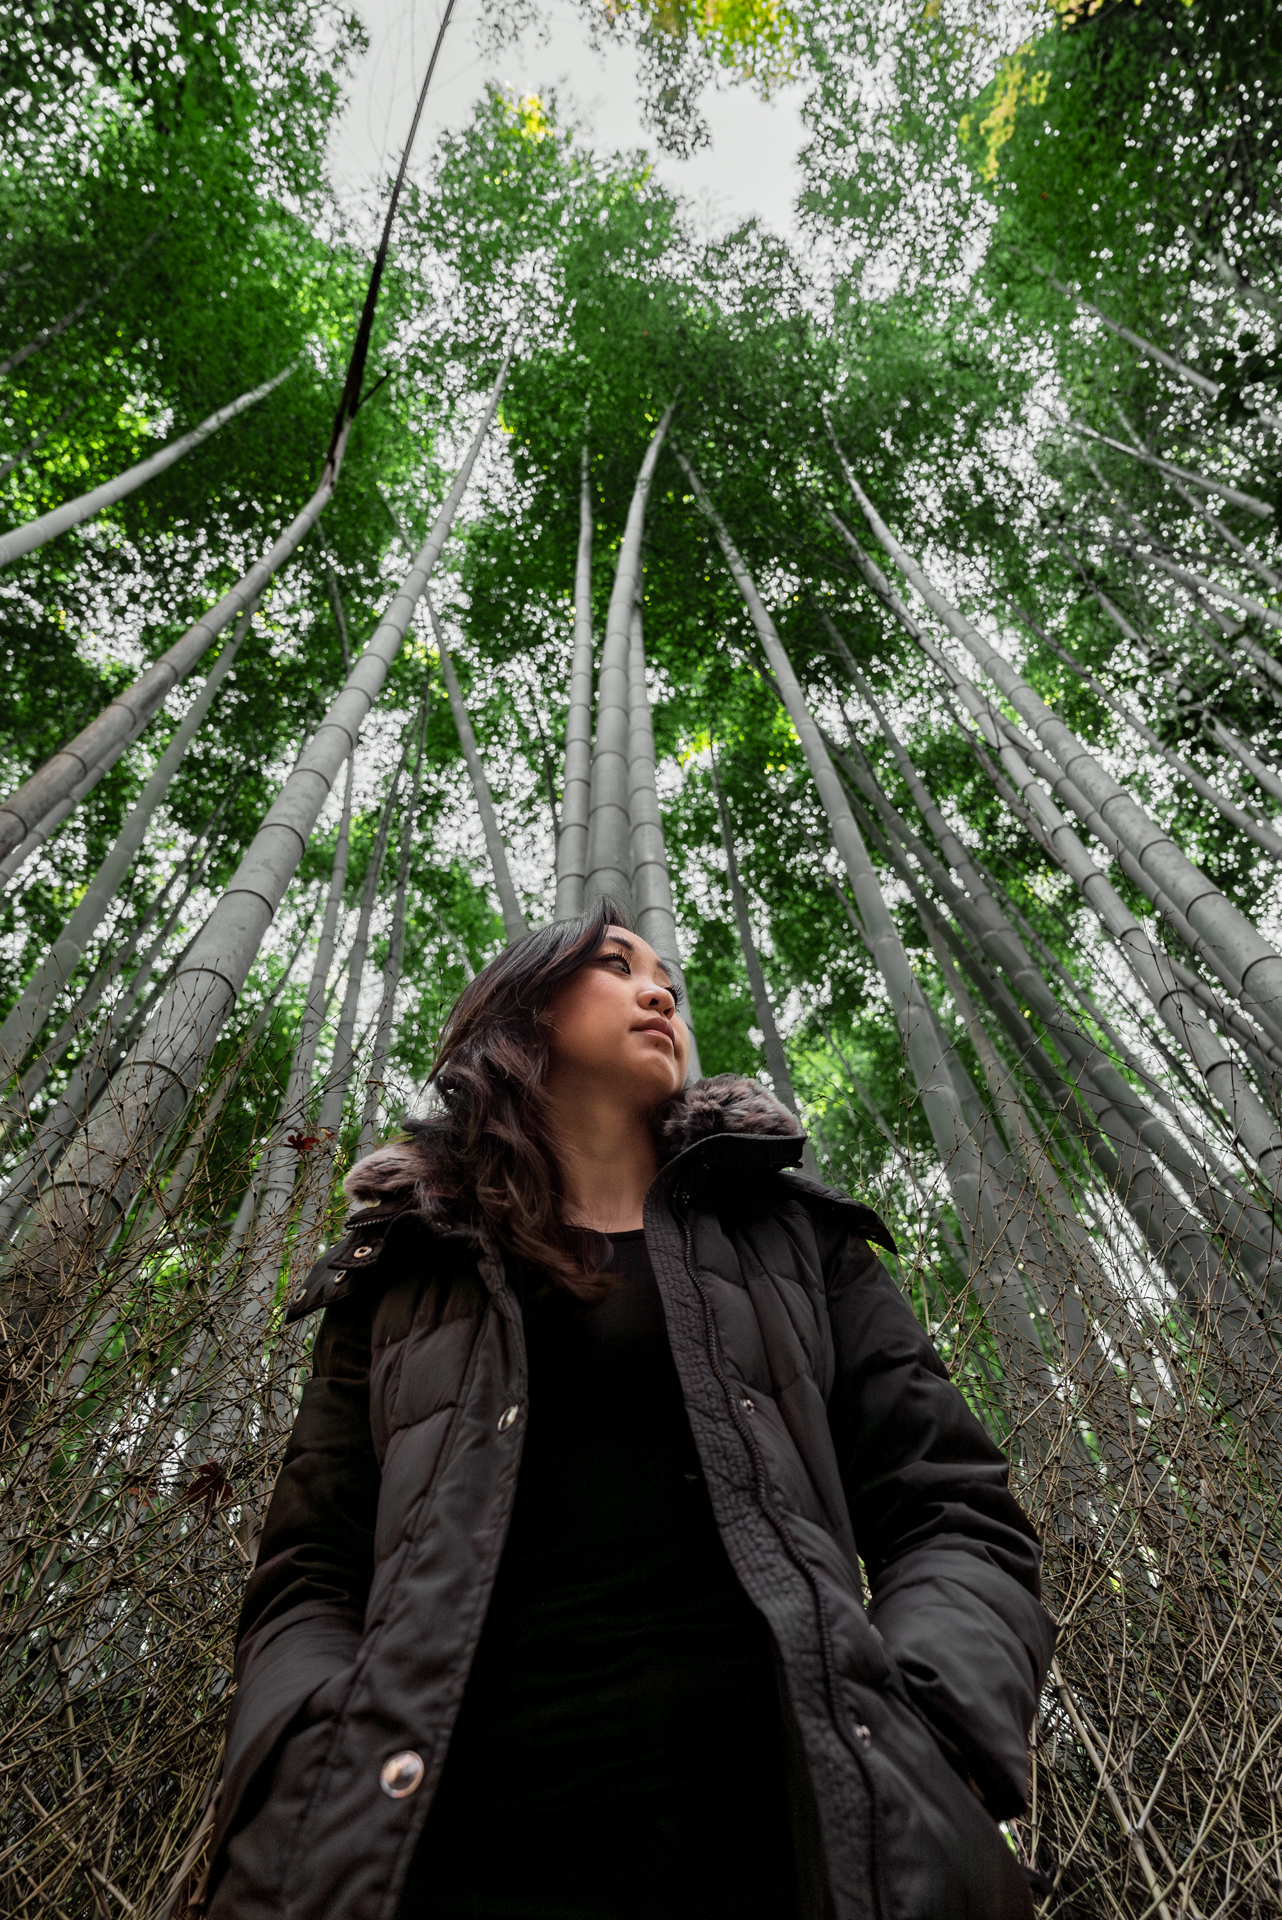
<point x="1236" y="1214"/>
<point x="1120" y="1135"/>
<point x="1229" y="742"/>
<point x="1085" y="1362"/>
<point x="1179" y="368"/>
<point x="1263" y="836"/>
<point x="73" y="513"/>
<point x="1248" y="502"/>
<point x="1245" y="603"/>
<point x="75" y="1106"/>
<point x="45" y="828"/>
<point x="167" y="1202"/>
<point x="772" y="1044"/>
<point x="1152" y="967"/>
<point x="651" y="886"/>
<point x="1251" y="1122"/>
<point x="514" y="924"/>
<point x="609" y="857"/>
<point x="1248" y="558"/>
<point x="334" y="1084"/>
<point x="271" y="1217"/>
<point x="979" y="1207"/>
<point x="572" y="847"/>
<point x="395" y="946"/>
<point x="318" y="987"/>
<point x="16" y="1109"/>
<point x="981" y="918"/>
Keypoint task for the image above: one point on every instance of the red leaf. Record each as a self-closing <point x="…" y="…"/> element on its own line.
<point x="210" y="1485"/>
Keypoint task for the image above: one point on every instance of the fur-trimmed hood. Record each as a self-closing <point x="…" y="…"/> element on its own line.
<point x="398" y="1175"/>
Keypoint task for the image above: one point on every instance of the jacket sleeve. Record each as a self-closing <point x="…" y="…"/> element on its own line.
<point x="304" y="1606"/>
<point x="952" y="1561"/>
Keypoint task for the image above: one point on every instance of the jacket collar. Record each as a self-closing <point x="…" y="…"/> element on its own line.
<point x="754" y="1156"/>
<point x="723" y="1123"/>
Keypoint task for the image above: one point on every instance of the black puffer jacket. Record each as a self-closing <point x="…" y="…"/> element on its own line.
<point x="827" y="1431"/>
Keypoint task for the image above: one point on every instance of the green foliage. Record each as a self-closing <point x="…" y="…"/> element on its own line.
<point x="263" y="73"/>
<point x="1116" y="145"/>
<point x="886" y="181"/>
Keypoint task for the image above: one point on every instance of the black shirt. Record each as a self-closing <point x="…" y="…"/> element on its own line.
<point x="618" y="1753"/>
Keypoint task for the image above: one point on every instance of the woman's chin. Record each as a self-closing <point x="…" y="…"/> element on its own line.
<point x="658" y="1077"/>
<point x="673" y="1081"/>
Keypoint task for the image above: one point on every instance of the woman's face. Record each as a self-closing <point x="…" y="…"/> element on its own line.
<point x="617" y="1019"/>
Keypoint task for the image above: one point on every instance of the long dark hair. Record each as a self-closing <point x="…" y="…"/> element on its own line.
<point x="486" y="1151"/>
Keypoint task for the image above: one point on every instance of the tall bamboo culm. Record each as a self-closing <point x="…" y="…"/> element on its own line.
<point x="772" y="1044"/>
<point x="73" y="513"/>
<point x="504" y="885"/>
<point x="25" y="1021"/>
<point x="609" y="818"/>
<point x="656" y="919"/>
<point x="981" y="1202"/>
<point x="576" y="793"/>
<point x="375" y="1083"/>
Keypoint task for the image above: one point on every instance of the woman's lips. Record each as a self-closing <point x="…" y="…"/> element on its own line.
<point x="660" y="1027"/>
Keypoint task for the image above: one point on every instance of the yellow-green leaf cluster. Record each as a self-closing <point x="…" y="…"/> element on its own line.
<point x="755" y="39"/>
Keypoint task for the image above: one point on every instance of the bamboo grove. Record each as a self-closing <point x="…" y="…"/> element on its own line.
<point x="892" y="616"/>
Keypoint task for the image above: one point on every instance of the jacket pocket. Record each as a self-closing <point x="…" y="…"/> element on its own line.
<point x="937" y="1851"/>
<point x="291" y="1686"/>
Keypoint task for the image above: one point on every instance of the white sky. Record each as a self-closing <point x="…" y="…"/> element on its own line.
<point x="750" y="167"/>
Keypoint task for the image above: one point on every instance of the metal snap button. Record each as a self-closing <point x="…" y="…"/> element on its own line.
<point x="862" y="1735"/>
<point x="507" y="1418"/>
<point x="747" y="1405"/>
<point x="401" y="1774"/>
<point x="362" y="1251"/>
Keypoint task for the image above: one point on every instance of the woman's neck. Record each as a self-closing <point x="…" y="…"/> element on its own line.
<point x="606" y="1154"/>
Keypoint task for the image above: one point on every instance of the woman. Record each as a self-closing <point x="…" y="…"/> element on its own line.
<point x="558" y="1610"/>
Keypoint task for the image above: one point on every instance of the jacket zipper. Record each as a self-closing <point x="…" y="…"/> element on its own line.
<point x="790" y="1547"/>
